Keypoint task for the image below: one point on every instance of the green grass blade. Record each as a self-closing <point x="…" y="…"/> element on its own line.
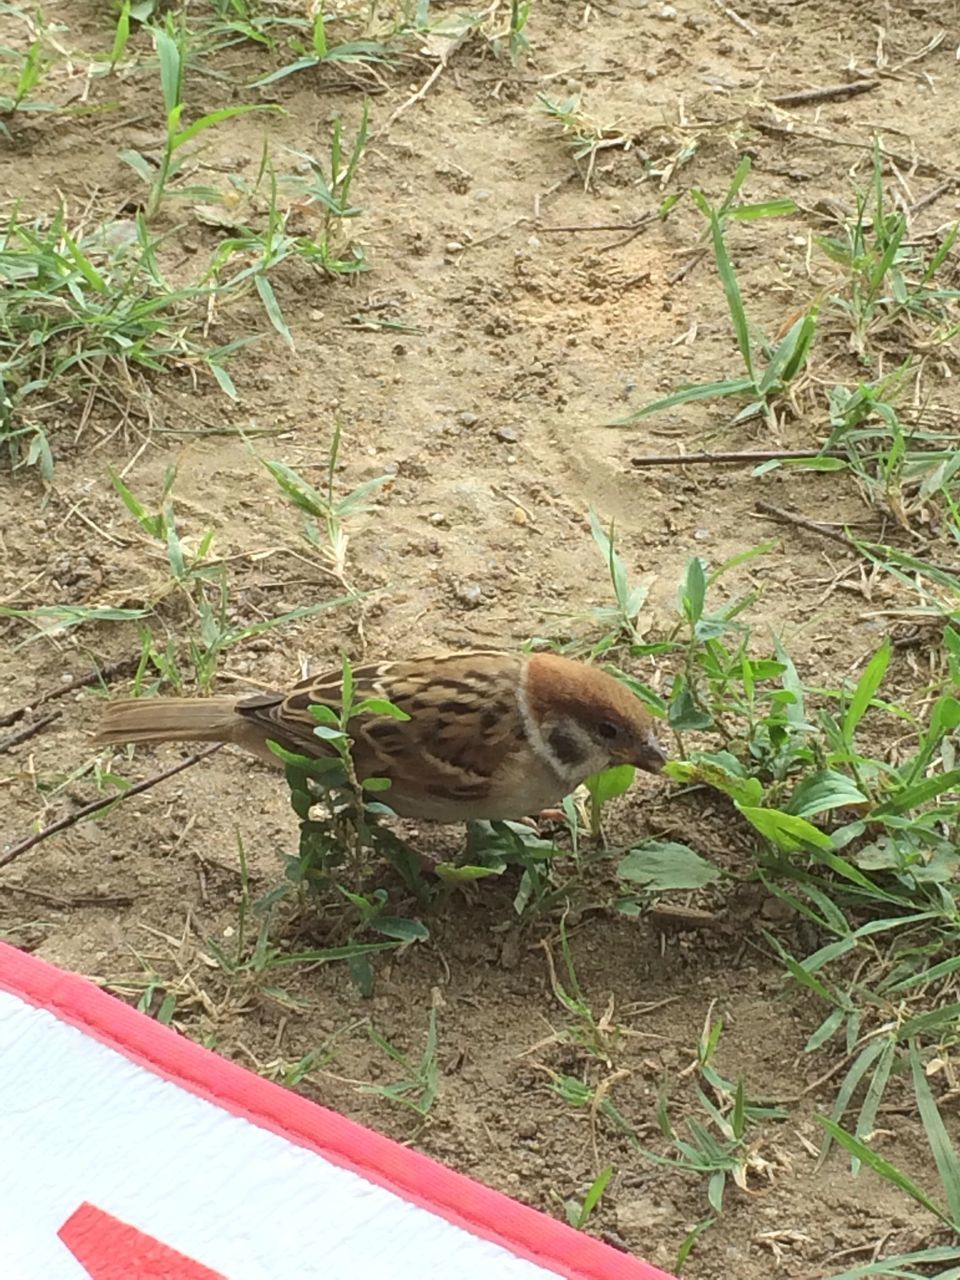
<point x="944" y="1152"/>
<point x="171" y="66"/>
<point x="883" y="1167"/>
<point x="687" y="395"/>
<point x="867" y="687"/>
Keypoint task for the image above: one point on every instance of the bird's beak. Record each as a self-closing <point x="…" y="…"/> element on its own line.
<point x="649" y="755"/>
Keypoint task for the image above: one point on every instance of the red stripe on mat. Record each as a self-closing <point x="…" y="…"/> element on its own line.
<point x="416" y="1178"/>
<point x="109" y="1249"/>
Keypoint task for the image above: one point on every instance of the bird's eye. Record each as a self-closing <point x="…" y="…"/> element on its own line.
<point x="607" y="730"/>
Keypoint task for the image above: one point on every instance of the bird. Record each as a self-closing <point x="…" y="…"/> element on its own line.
<point x="488" y="735"/>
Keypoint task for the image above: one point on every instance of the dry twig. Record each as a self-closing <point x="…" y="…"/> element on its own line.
<point x="733" y="455"/>
<point x="96" y="805"/>
<point x="803" y="97"/>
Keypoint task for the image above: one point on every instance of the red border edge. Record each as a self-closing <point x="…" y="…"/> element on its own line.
<point x="416" y="1178"/>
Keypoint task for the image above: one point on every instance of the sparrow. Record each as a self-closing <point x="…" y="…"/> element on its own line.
<point x="490" y="735"/>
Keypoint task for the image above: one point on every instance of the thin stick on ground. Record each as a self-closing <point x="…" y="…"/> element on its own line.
<point x="825" y="531"/>
<point x="635" y="225"/>
<point x="420" y="94"/>
<point x="28" y="731"/>
<point x="824" y="94"/>
<point x="109" y="671"/>
<point x="95" y="806"/>
<point x="733" y="455"/>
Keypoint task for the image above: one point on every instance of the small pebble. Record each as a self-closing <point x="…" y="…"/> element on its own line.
<point x="667" y="13"/>
<point x="470" y="594"/>
<point x="507" y="434"/>
<point x="454" y="246"/>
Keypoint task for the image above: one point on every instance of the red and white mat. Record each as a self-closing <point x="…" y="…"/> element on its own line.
<point x="129" y="1153"/>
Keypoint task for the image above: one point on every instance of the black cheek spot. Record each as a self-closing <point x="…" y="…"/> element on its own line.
<point x="564" y="747"/>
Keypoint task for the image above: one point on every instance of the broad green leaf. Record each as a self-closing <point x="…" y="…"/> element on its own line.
<point x="867" y="686"/>
<point x="171" y="70"/>
<point x="328" y="733"/>
<point x="762" y="209"/>
<point x="224" y="381"/>
<point x="731" y="288"/>
<point x="713" y="773"/>
<point x="788" y="832"/>
<point x="822" y="791"/>
<point x="664" y="864"/>
<point x="683" y="713"/>
<point x="694" y="589"/>
<point x="324" y="714"/>
<point x="136" y="161"/>
<point x="301" y="64"/>
<point x="400" y="927"/>
<point x="610" y="783"/>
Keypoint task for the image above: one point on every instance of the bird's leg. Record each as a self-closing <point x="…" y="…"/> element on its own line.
<point x="544" y="816"/>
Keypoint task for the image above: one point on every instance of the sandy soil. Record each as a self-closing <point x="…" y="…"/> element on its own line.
<point x="518" y="340"/>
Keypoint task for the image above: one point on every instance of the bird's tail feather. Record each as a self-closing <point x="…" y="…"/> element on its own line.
<point x="170" y="720"/>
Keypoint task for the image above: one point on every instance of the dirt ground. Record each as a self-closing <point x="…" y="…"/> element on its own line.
<point x="525" y="339"/>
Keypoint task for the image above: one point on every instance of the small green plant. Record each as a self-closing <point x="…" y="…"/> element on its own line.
<point x="172" y="46"/>
<point x="185" y="566"/>
<point x="580" y="1211"/>
<point x="203" y="582"/>
<point x="722" y="1148"/>
<point x="630" y="599"/>
<point x="83" y="311"/>
<point x="519" y="17"/>
<point x="764" y="386"/>
<point x="257" y="955"/>
<point x="584" y="136"/>
<point x="329" y="189"/>
<point x="321" y="52"/>
<point x="888" y="279"/>
<point x="261" y="250"/>
<point x="20" y="73"/>
<point x="237" y="21"/>
<point x="121" y="36"/>
<point x="597" y="1036"/>
<point x="417" y="1088"/>
<point x="341" y="835"/>
<point x="327" y="514"/>
<point x="947" y="1164"/>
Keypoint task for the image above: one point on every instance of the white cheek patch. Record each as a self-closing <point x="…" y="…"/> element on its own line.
<point x="562" y="744"/>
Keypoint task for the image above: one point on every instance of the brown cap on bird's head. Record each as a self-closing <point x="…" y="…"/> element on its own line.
<point x="600" y="701"/>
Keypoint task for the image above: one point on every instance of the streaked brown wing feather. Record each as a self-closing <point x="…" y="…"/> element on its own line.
<point x="429" y="754"/>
